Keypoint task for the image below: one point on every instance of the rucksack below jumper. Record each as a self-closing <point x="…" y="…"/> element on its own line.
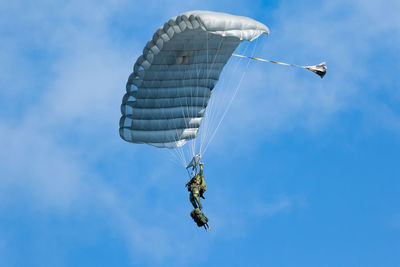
<point x="200" y="219"/>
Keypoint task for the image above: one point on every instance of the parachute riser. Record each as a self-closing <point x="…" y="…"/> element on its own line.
<point x="194" y="162"/>
<point x="188" y="172"/>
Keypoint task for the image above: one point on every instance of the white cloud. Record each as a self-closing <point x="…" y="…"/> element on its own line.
<point x="49" y="159"/>
<point x="394" y="221"/>
<point x="57" y="181"/>
<point x="281" y="204"/>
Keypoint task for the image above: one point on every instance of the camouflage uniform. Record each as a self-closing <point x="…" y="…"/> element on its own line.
<point x="197" y="186"/>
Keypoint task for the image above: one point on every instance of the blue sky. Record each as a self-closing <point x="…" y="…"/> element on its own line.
<point x="302" y="172"/>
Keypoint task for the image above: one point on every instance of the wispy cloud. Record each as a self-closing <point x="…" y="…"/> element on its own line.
<point x="394" y="221"/>
<point x="281" y="204"/>
<point x="51" y="146"/>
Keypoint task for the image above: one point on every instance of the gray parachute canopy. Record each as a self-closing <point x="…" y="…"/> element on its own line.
<point x="168" y="91"/>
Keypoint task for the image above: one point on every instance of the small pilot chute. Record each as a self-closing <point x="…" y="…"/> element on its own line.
<point x="319" y="69"/>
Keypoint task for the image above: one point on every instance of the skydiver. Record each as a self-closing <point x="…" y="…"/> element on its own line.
<point x="197" y="186"/>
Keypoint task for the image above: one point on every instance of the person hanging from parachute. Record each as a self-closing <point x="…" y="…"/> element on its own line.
<point x="197" y="187"/>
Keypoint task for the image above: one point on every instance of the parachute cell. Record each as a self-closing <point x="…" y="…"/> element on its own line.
<point x="171" y="84"/>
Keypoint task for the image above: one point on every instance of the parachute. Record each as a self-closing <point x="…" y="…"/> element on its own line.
<point x="172" y="81"/>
